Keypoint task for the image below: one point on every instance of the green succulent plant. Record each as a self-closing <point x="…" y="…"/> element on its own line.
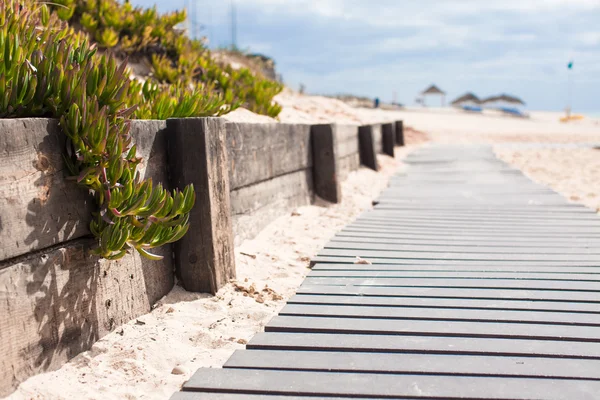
<point x="175" y="59"/>
<point x="54" y="71"/>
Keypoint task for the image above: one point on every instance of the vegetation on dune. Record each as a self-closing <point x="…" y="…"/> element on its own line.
<point x="175" y="59"/>
<point x="49" y="69"/>
<point x="59" y="60"/>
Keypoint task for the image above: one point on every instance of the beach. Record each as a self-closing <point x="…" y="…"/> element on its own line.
<point x="152" y="356"/>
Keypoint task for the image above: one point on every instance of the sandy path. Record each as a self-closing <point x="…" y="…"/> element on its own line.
<point x="189" y="331"/>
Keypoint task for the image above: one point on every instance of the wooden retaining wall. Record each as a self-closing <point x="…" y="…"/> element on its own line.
<point x="56" y="300"/>
<point x="270" y="173"/>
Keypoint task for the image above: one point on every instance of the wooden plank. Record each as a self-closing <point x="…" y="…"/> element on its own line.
<point x="325" y="174"/>
<point x="503" y="269"/>
<point x="399" y="130"/>
<point x="204" y="257"/>
<point x="348" y="164"/>
<point x="441" y="314"/>
<point x="546" y="243"/>
<point x="254" y="207"/>
<point x="433" y="328"/>
<point x="431" y="232"/>
<point x="258" y="152"/>
<point x="347" y="140"/>
<point x="448" y="217"/>
<point x="238" y="396"/>
<point x="497" y="283"/>
<point x="456" y="293"/>
<point x="500" y="230"/>
<point x="461" y="249"/>
<point x="457" y="256"/>
<point x="417" y="344"/>
<point x="368" y="147"/>
<point x="483" y="222"/>
<point x="429" y="302"/>
<point x="568" y="239"/>
<point x="39" y="207"/>
<point x="415" y="261"/>
<point x="387" y="139"/>
<point x="545" y="210"/>
<point x="57" y="303"/>
<point x="437" y="364"/>
<point x="514" y="274"/>
<point x="387" y="386"/>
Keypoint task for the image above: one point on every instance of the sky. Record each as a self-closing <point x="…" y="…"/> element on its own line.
<point x="387" y="48"/>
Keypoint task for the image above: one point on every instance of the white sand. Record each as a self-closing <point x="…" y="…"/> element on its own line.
<point x="190" y="331"/>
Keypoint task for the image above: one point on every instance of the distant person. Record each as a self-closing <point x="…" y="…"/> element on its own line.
<point x="376" y="102"/>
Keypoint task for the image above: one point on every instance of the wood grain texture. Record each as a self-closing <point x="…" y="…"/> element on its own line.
<point x="255" y="206"/>
<point x="325" y="166"/>
<point x="388" y="139"/>
<point x="368" y="146"/>
<point x="58" y="303"/>
<point x="39" y="207"/>
<point x="259" y="152"/>
<point x="204" y="257"/>
<point x="399" y="130"/>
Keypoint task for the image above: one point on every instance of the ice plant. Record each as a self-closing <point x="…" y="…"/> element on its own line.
<point x="48" y="69"/>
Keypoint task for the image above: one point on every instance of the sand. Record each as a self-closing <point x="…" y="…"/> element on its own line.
<point x="151" y="357"/>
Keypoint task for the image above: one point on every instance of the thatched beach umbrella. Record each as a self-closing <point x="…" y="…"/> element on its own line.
<point x="466" y="99"/>
<point x="503" y="98"/>
<point x="434" y="90"/>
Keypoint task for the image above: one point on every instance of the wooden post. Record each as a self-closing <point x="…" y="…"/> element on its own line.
<point x="204" y="257"/>
<point x="387" y="139"/>
<point x="400" y="133"/>
<point x="366" y="143"/>
<point x="325" y="168"/>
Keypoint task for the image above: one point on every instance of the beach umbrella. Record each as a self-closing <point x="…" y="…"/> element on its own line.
<point x="466" y="98"/>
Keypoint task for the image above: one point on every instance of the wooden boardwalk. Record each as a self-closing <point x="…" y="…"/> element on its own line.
<point x="482" y="285"/>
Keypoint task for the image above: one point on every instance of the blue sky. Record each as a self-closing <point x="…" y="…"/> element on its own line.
<point x="375" y="48"/>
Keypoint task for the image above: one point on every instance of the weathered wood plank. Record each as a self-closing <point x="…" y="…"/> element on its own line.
<point x="437" y="364"/>
<point x="460" y="268"/>
<point x="467" y="238"/>
<point x="56" y="304"/>
<point x="255" y="206"/>
<point x="497" y="283"/>
<point x="368" y="146"/>
<point x="547" y="243"/>
<point x="399" y="130"/>
<point x="39" y="207"/>
<point x="418" y="261"/>
<point x="325" y="166"/>
<point x="387" y="139"/>
<point x="442" y="314"/>
<point x="564" y="276"/>
<point x="433" y="328"/>
<point x="258" y="152"/>
<point x="455" y="293"/>
<point x="423" y="344"/>
<point x="458" y="256"/>
<point x="440" y="302"/>
<point x="238" y="396"/>
<point x="387" y="386"/>
<point x="334" y="244"/>
<point x="204" y="257"/>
